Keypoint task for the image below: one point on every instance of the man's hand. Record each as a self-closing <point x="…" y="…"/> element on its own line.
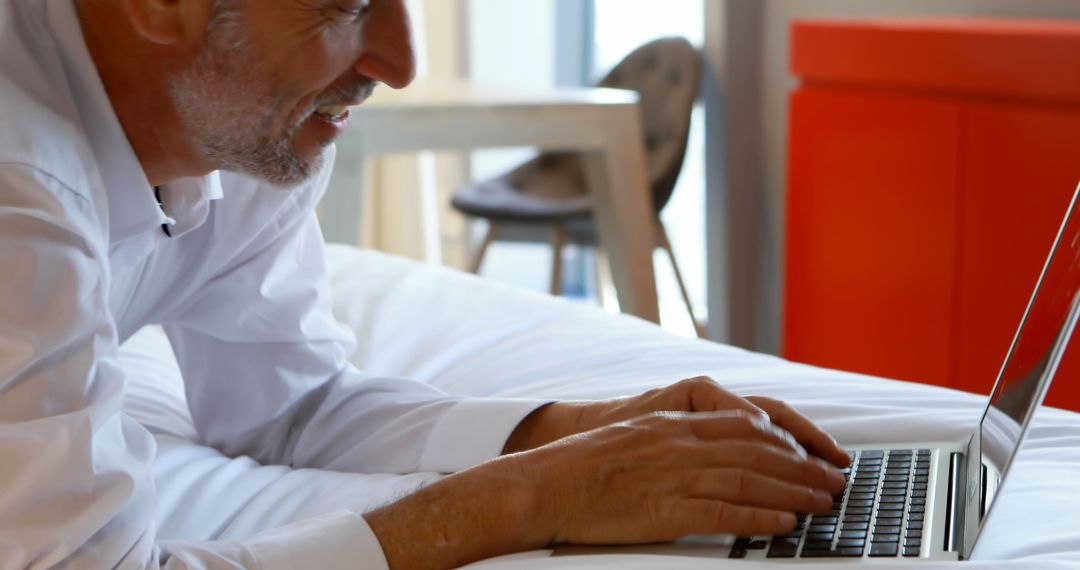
<point x="669" y="474"/>
<point x="692" y="458"/>
<point x="654" y="478"/>
<point x="700" y="394"/>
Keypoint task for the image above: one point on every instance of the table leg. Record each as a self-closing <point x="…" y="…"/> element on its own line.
<point x="619" y="183"/>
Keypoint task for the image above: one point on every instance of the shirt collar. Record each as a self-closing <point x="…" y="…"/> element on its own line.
<point x="133" y="209"/>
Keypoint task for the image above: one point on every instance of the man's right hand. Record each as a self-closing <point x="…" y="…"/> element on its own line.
<point x="651" y="479"/>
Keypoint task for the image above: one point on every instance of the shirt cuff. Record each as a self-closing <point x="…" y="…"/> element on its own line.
<point x="473" y="431"/>
<point x="338" y="540"/>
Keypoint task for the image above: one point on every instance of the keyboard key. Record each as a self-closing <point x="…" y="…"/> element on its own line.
<point x="883" y="538"/>
<point x="872" y="453"/>
<point x="783" y="548"/>
<point x="820" y="536"/>
<point x="894" y="485"/>
<point x="757" y="544"/>
<point x="850" y="542"/>
<point x="891" y="529"/>
<point x="918" y="501"/>
<point x="858" y="510"/>
<point x="917" y="509"/>
<point x="839" y="552"/>
<point x="823" y="527"/>
<point x="915" y="525"/>
<point x="823" y="519"/>
<point x="855" y="526"/>
<point x="916" y="542"/>
<point x="889" y="521"/>
<point x="914" y="533"/>
<point x="860" y="496"/>
<point x="893" y="492"/>
<point x="850" y="518"/>
<point x="893" y="499"/>
<point x="918" y="494"/>
<point x="737" y="551"/>
<point x="911" y="552"/>
<point x="915" y="517"/>
<point x="846" y="534"/>
<point x="883" y="549"/>
<point x="857" y="503"/>
<point x="812" y="545"/>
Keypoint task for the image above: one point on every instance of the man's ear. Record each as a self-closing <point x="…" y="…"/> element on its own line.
<point x="165" y="21"/>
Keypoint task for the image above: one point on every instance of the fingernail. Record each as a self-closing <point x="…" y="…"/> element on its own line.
<point x="822" y="497"/>
<point x="786" y="520"/>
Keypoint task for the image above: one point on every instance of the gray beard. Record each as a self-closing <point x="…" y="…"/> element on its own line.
<point x="228" y="106"/>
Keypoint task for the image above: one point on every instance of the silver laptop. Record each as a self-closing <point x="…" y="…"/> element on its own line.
<point x="928" y="500"/>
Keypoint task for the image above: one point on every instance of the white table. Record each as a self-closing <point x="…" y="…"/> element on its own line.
<point x="604" y="124"/>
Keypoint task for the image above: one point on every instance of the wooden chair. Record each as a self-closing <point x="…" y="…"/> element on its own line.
<point x="545" y="199"/>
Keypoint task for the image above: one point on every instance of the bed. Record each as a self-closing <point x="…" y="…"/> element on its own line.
<point x="474" y="337"/>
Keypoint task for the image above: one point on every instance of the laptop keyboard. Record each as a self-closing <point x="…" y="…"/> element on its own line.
<point x="879" y="514"/>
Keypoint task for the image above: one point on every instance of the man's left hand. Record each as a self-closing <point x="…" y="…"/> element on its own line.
<point x="701" y="394"/>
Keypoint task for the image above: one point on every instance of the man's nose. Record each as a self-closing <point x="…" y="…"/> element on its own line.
<point x="388" y="54"/>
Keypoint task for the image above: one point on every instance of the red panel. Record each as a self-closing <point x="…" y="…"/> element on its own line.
<point x="1029" y="59"/>
<point x="1021" y="165"/>
<point x="872" y="214"/>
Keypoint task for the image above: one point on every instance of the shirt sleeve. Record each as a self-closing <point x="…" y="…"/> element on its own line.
<point x="76" y="489"/>
<point x="266" y="372"/>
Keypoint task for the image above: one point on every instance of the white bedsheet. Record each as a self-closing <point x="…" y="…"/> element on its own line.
<point x="469" y="336"/>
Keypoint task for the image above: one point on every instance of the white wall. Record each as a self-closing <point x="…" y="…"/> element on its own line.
<point x="775" y="84"/>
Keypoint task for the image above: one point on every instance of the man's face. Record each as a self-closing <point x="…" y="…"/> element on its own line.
<point x="269" y="87"/>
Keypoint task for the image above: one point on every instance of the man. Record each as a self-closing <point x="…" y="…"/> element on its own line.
<point x="160" y="161"/>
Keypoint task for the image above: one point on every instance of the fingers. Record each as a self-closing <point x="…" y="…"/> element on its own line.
<point x="704" y="516"/>
<point x="776" y="463"/>
<point x="815" y="440"/>
<point x="712" y="426"/>
<point x="706" y="395"/>
<point x="749" y="488"/>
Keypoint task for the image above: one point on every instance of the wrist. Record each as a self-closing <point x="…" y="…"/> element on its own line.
<point x="496" y="508"/>
<point x="548" y="423"/>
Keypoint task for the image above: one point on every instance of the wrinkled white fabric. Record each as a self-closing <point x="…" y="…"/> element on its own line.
<point x="485" y="339"/>
<point x="241" y="290"/>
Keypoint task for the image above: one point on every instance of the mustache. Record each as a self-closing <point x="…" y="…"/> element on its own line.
<point x="346" y="94"/>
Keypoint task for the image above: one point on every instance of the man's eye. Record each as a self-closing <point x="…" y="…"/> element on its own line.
<point x="351" y="11"/>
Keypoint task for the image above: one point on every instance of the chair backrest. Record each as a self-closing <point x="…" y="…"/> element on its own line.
<point x="665" y="73"/>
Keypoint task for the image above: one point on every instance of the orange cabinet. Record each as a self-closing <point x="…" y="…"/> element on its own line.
<point x="930" y="166"/>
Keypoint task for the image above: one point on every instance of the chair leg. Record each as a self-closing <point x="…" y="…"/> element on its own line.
<point x="661" y="235"/>
<point x="478" y="255"/>
<point x="558" y="240"/>
<point x="605" y="288"/>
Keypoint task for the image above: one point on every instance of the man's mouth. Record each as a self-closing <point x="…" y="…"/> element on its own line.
<point x="333" y="113"/>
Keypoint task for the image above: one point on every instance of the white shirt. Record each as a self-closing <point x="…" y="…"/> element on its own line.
<point x="241" y="290"/>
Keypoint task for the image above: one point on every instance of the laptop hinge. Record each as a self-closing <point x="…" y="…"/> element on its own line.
<point x="954" y="515"/>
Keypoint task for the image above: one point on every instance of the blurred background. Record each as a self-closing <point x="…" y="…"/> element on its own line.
<point x="728" y="217"/>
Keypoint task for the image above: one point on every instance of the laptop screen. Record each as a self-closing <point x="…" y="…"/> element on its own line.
<point x="1027" y="372"/>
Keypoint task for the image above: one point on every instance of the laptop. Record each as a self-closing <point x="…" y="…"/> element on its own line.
<point x="926" y="500"/>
